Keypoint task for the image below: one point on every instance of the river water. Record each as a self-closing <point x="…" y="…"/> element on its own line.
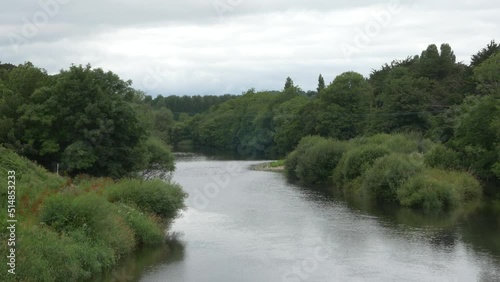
<point x="243" y="225"/>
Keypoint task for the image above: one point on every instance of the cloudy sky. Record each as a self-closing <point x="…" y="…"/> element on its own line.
<point x="228" y="46"/>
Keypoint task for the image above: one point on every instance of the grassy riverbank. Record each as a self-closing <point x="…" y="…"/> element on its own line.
<point x="69" y="229"/>
<point x="276" y="166"/>
<point x="398" y="168"/>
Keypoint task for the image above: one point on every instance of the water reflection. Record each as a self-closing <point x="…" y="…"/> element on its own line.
<point x="132" y="267"/>
<point x="261" y="228"/>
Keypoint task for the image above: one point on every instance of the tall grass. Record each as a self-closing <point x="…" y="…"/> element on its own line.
<point x="71" y="229"/>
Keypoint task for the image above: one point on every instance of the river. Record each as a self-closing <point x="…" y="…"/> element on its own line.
<point x="243" y="225"/>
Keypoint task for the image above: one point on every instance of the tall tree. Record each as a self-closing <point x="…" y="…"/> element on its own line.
<point x="288" y="83"/>
<point x="485" y="53"/>
<point x="402" y="104"/>
<point x="346" y="104"/>
<point x="487" y="76"/>
<point x="321" y="84"/>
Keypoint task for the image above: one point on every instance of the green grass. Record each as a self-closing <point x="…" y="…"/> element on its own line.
<point x="71" y="229"/>
<point x="279" y="163"/>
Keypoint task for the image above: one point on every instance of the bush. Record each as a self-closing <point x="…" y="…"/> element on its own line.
<point x="356" y="161"/>
<point x="398" y="143"/>
<point x="158" y="197"/>
<point x="436" y="189"/>
<point x="49" y="256"/>
<point x="442" y="157"/>
<point x="388" y="173"/>
<point x="90" y="214"/>
<point x="316" y="164"/>
<point x="292" y="159"/>
<point x="291" y="162"/>
<point x="146" y="230"/>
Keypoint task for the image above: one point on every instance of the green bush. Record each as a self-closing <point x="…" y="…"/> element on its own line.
<point x="398" y="143"/>
<point x="292" y="160"/>
<point x="91" y="214"/>
<point x="45" y="255"/>
<point x="356" y="161"/>
<point x="388" y="173"/>
<point x="316" y="164"/>
<point x="158" y="197"/>
<point x="146" y="230"/>
<point x="436" y="189"/>
<point x="442" y="157"/>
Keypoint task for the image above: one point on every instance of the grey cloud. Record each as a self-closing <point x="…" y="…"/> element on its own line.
<point x="188" y="49"/>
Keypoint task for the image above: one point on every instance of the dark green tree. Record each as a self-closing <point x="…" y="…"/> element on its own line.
<point x="88" y="121"/>
<point x="321" y="84"/>
<point x="487" y="76"/>
<point x="402" y="105"/>
<point x="491" y="49"/>
<point x="289" y="83"/>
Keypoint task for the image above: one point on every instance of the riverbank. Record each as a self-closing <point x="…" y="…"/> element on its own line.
<point x="276" y="166"/>
<point x="70" y="229"/>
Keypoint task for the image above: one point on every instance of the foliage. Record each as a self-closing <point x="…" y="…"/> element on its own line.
<point x="491" y="49"/>
<point x="90" y="214"/>
<point x="278" y="163"/>
<point x="160" y="198"/>
<point x="389" y="173"/>
<point x="146" y="230"/>
<point x="316" y="163"/>
<point x="356" y="161"/>
<point x="486" y="75"/>
<point x="476" y="136"/>
<point x="439" y="190"/>
<point x="67" y="229"/>
<point x="292" y="160"/>
<point x="442" y="157"/>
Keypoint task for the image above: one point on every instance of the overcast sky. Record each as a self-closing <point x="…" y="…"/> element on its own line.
<point x="228" y="46"/>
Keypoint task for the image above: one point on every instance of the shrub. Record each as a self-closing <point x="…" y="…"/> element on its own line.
<point x="158" y="197"/>
<point x="356" y="161"/>
<point x="436" y="189"/>
<point x="316" y="164"/>
<point x="49" y="256"/>
<point x="291" y="162"/>
<point x="398" y="143"/>
<point x="91" y="214"/>
<point x="146" y="230"/>
<point x="388" y="173"/>
<point x="292" y="159"/>
<point x="442" y="157"/>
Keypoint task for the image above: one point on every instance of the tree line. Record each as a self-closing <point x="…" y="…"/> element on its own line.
<point x="431" y="95"/>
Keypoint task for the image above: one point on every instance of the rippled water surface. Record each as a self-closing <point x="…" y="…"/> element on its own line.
<point x="244" y="225"/>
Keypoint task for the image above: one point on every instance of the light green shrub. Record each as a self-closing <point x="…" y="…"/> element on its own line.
<point x="436" y="189"/>
<point x="158" y="197"/>
<point x="442" y="157"/>
<point x="388" y="173"/>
